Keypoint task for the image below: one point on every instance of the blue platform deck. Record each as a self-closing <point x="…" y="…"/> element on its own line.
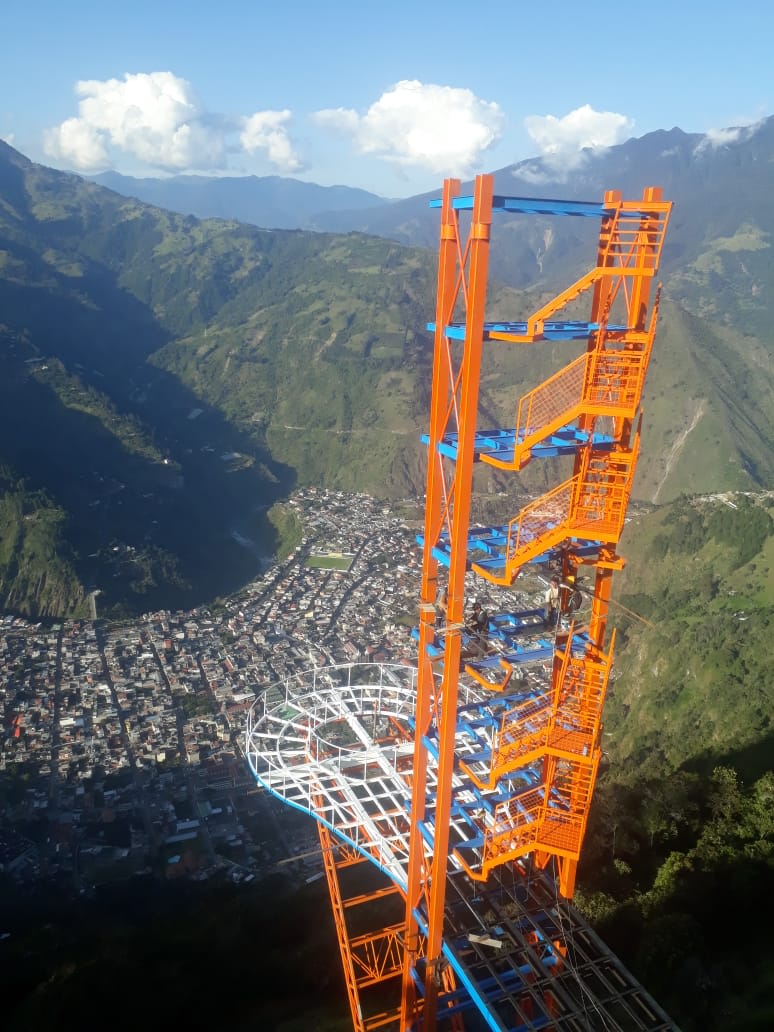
<point x="531" y="206"/>
<point x="544" y="206"/>
<point x="501" y="444"/>
<point x="502" y="642"/>
<point x="486" y="548"/>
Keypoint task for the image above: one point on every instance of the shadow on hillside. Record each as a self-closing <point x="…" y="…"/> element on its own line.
<point x="189" y="506"/>
<point x="682" y="950"/>
<point x="750" y="761"/>
<point x="271" y="946"/>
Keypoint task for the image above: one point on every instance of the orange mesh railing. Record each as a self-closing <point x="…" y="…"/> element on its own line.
<point x="599" y="383"/>
<point x="549" y="816"/>
<point x="540" y="525"/>
<point x="591" y="505"/>
<point x="614" y="384"/>
<point x="563" y="728"/>
<point x="550" y="406"/>
<point x="514" y="829"/>
<point x="521" y="737"/>
<point x="579" y="704"/>
<point x="527" y="532"/>
<point x="562" y="820"/>
<point x="603" y="489"/>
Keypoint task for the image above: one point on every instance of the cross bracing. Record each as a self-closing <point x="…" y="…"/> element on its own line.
<point x="467" y="783"/>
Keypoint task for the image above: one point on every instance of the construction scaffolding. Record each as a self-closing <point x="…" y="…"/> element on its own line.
<point x="464" y="786"/>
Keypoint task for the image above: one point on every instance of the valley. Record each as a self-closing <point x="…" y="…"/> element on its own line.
<point x="189" y="408"/>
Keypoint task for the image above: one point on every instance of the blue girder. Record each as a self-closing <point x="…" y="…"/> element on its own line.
<point x="517" y="653"/>
<point x="501" y="444"/>
<point x="503" y="632"/>
<point x="553" y="329"/>
<point x="544" y="206"/>
<point x="532" y="206"/>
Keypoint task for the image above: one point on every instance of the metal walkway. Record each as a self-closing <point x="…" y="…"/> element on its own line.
<point x="336" y="743"/>
<point x="466" y="784"/>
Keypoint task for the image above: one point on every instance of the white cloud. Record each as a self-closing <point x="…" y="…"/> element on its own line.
<point x="535" y="172"/>
<point x="265" y="130"/>
<point x="157" y="119"/>
<point x="77" y="142"/>
<point x="715" y="138"/>
<point x="340" y="119"/>
<point x="7" y="138"/>
<point x="562" y="140"/>
<point x="154" y="117"/>
<point x="721" y="137"/>
<point x="440" y="128"/>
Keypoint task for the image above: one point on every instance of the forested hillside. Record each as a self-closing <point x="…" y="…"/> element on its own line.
<point x="36" y="569"/>
<point x="165" y="380"/>
<point x="153" y="365"/>
<point x="700" y="577"/>
<point x="680" y="850"/>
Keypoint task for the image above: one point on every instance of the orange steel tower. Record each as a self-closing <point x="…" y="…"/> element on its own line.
<point x="464" y="787"/>
<point x="556" y="733"/>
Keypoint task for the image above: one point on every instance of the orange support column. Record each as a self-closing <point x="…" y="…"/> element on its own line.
<point x="447" y="509"/>
<point x="449" y="252"/>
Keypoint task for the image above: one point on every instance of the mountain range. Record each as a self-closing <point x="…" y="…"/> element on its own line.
<point x="165" y="378"/>
<point x="273" y="202"/>
<point x="719" y="185"/>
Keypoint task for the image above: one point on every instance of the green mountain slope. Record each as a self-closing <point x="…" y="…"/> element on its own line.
<point x="680" y="846"/>
<point x="165" y="380"/>
<point x="325" y="357"/>
<point x="700" y="579"/>
<point x="150" y="361"/>
<point x="37" y="574"/>
<point x="708" y="419"/>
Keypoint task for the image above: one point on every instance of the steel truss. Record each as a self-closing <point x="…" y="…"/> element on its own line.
<point x="466" y="788"/>
<point x="515" y="954"/>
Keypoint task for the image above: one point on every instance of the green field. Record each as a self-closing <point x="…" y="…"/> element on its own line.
<point x="329" y="562"/>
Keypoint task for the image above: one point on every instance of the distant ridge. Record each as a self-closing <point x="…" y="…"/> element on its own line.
<point x="718" y="182"/>
<point x="715" y="186"/>
<point x="272" y="202"/>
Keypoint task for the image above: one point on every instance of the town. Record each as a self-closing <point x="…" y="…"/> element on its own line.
<point x="122" y="747"/>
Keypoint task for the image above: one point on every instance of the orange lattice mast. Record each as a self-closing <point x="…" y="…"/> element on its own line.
<point x="578" y="522"/>
<point x="456" y="777"/>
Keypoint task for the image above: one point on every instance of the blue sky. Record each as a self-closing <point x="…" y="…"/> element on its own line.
<point x="391" y="97"/>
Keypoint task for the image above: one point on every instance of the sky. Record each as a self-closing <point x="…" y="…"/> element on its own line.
<point x="389" y="97"/>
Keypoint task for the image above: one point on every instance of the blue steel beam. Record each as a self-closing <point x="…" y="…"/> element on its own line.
<point x="504" y="640"/>
<point x="547" y="206"/>
<point x="486" y="548"/>
<point x="553" y="329"/>
<point x="533" y="206"/>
